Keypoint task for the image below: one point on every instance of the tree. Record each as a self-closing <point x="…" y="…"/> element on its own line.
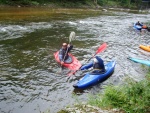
<point x="95" y="1"/>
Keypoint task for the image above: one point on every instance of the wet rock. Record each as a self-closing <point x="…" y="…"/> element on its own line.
<point x="84" y="108"/>
<point x="104" y="10"/>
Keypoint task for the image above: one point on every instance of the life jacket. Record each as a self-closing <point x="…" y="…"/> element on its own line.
<point x="138" y="24"/>
<point x="96" y="66"/>
<point x="99" y="65"/>
<point x="62" y="53"/>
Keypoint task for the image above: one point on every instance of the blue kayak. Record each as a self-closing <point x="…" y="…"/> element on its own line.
<point x="137" y="27"/>
<point x="145" y="62"/>
<point x="91" y="79"/>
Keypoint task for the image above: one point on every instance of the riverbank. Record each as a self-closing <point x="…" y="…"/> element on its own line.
<point x="52" y="4"/>
<point x="70" y="4"/>
<point x="103" y="5"/>
<point x="91" y="6"/>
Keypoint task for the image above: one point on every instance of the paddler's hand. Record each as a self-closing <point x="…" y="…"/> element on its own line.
<point x="62" y="62"/>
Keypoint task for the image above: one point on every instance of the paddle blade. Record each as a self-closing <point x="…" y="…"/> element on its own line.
<point x="72" y="36"/>
<point x="101" y="48"/>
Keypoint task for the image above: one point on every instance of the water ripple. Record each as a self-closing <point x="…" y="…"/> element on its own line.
<point x="16" y="31"/>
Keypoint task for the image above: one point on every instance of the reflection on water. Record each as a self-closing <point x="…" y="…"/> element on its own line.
<point x="43" y="14"/>
<point x="29" y="78"/>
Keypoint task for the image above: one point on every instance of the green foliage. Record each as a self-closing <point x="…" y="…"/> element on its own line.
<point x="102" y="2"/>
<point x="133" y="97"/>
<point x="28" y="2"/>
<point x="75" y="3"/>
<point x="63" y="111"/>
<point x="120" y="3"/>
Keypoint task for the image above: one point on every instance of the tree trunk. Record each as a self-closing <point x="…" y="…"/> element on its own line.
<point x="95" y="1"/>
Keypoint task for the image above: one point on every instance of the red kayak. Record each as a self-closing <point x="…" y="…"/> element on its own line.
<point x="72" y="63"/>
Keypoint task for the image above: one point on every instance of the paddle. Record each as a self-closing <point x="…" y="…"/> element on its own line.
<point x="71" y="37"/>
<point x="100" y="49"/>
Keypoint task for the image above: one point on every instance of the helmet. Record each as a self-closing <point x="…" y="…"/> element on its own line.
<point x="95" y="60"/>
<point x="64" y="44"/>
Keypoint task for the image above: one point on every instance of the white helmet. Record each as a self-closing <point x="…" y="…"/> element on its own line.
<point x="95" y="60"/>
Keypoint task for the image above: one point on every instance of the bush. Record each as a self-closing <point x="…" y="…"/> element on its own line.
<point x="102" y="2"/>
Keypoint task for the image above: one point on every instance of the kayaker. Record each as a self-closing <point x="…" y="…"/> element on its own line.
<point x="138" y="23"/>
<point x="63" y="52"/>
<point x="98" y="65"/>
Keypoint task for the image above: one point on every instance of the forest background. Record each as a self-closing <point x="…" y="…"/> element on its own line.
<point x="76" y="3"/>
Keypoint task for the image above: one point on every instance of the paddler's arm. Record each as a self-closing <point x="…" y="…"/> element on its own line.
<point x="70" y="47"/>
<point x="89" y="65"/>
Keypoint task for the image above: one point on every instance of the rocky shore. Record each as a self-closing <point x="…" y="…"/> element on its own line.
<point x="84" y="108"/>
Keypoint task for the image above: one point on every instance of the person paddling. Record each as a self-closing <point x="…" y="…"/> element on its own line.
<point x="63" y="52"/>
<point x="138" y="23"/>
<point x="98" y="65"/>
<point x="143" y="27"/>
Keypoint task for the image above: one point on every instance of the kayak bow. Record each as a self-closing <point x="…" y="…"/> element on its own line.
<point x="145" y="62"/>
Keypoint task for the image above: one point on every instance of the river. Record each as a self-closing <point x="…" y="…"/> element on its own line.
<point x="29" y="78"/>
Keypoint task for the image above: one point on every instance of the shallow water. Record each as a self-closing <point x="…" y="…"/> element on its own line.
<point x="29" y="78"/>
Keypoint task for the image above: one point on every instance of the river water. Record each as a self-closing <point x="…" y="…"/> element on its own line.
<point x="29" y="78"/>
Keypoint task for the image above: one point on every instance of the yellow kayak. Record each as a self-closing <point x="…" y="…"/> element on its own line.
<point x="146" y="48"/>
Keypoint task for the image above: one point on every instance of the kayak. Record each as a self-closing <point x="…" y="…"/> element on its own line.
<point x="145" y="62"/>
<point x="137" y="27"/>
<point x="146" y="48"/>
<point x="91" y="79"/>
<point x="72" y="63"/>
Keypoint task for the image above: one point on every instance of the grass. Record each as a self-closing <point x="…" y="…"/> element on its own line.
<point x="133" y="97"/>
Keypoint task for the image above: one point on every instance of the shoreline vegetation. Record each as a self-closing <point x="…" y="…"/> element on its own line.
<point x="132" y="4"/>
